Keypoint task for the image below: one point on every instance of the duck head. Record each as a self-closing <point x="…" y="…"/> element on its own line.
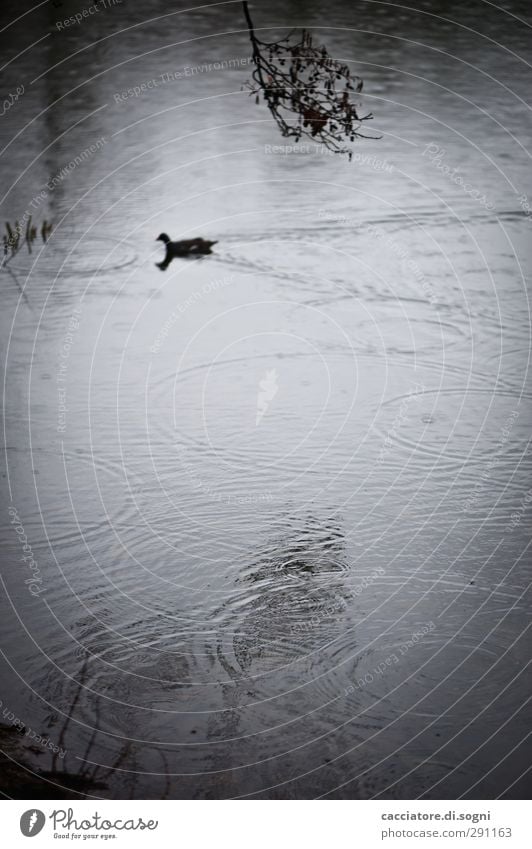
<point x="163" y="238"/>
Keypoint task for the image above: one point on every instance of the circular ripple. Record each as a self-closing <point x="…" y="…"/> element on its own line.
<point x="477" y="424"/>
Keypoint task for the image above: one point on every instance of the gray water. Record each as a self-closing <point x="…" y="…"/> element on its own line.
<point x="282" y="526"/>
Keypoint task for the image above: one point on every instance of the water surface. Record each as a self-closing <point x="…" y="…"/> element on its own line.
<point x="282" y="525"/>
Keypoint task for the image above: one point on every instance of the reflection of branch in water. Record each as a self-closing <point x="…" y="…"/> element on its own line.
<point x="299" y="579"/>
<point x="25" y="781"/>
<point x="168" y="785"/>
<point x="310" y="546"/>
<point x="15" y="278"/>
<point x="73" y="704"/>
<point x="91" y="775"/>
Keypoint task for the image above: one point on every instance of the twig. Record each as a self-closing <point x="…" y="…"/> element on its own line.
<point x="301" y="81"/>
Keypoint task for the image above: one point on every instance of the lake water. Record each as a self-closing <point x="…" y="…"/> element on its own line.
<point x="279" y="497"/>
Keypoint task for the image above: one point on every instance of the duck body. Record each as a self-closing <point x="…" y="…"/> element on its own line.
<point x="183" y="248"/>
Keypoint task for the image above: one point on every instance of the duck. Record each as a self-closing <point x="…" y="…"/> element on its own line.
<point x="185" y="247"/>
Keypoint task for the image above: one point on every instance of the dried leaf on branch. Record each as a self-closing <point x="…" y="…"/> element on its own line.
<point x="308" y="92"/>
